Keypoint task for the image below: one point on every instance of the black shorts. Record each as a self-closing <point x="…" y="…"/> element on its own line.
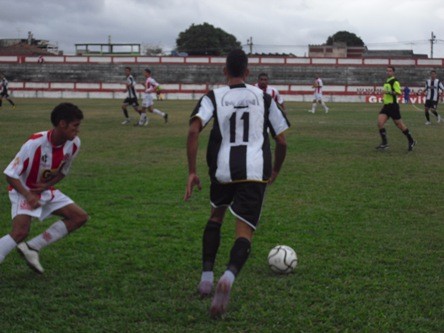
<point x="244" y="199"/>
<point x="391" y="111"/>
<point x="4" y="94"/>
<point x="429" y="104"/>
<point x="131" y="101"/>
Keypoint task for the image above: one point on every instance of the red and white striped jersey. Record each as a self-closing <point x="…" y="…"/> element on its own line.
<point x="274" y="93"/>
<point x="38" y="160"/>
<point x="150" y="85"/>
<point x="318" y="86"/>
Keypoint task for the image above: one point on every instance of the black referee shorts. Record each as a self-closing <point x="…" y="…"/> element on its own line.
<point x="244" y="199"/>
<point x="391" y="111"/>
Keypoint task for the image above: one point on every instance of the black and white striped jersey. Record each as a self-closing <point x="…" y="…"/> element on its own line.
<point x="131" y="87"/>
<point x="432" y="88"/>
<point x="239" y="145"/>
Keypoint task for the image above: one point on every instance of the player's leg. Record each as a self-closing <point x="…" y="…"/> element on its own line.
<point x="313" y="106"/>
<point x="426" y="112"/>
<point x="10" y="102"/>
<point x="247" y="207"/>
<point x="435" y="112"/>
<point x="382" y="119"/>
<point x="400" y="124"/>
<point x="210" y="246"/>
<point x="73" y="217"/>
<point x="164" y="115"/>
<point x="324" y="105"/>
<point x="21" y="225"/>
<point x="125" y="113"/>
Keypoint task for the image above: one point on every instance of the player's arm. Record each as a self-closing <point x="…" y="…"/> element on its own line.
<point x="41" y="187"/>
<point x="31" y="198"/>
<point x="192" y="148"/>
<point x="280" y="151"/>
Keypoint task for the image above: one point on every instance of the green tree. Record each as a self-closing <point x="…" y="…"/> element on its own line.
<point x="205" y="39"/>
<point x="344" y="36"/>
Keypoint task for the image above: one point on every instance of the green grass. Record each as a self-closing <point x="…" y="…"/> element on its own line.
<point x="367" y="227"/>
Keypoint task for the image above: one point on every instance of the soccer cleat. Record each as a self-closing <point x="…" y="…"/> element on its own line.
<point x="439" y="119"/>
<point x="311" y="111"/>
<point x="13" y="107"/>
<point x="165" y="117"/>
<point x="326" y="110"/>
<point x="219" y="304"/>
<point x="411" y="145"/>
<point x="145" y="123"/>
<point x="31" y="256"/>
<point x="382" y="146"/>
<point x="428" y="123"/>
<point x="126" y="121"/>
<point x="205" y="288"/>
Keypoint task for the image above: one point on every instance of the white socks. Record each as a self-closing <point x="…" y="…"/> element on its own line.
<point x="7" y="244"/>
<point x="52" y="234"/>
<point x="207" y="276"/>
<point x="229" y="276"/>
<point x="158" y="112"/>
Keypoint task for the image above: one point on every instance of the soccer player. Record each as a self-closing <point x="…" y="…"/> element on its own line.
<point x="42" y="162"/>
<point x="131" y="99"/>
<point x="432" y="89"/>
<point x="4" y="92"/>
<point x="406" y="92"/>
<point x="392" y="90"/>
<point x="240" y="164"/>
<point x="262" y="83"/>
<point x="317" y="96"/>
<point x="148" y="102"/>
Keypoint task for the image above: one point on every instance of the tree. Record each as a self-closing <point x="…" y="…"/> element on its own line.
<point x="205" y="39"/>
<point x="344" y="36"/>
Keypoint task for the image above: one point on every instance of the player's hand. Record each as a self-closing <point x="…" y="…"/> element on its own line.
<point x="33" y="200"/>
<point x="193" y="180"/>
<point x="273" y="177"/>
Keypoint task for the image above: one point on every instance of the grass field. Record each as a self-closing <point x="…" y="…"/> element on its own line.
<point x="367" y="227"/>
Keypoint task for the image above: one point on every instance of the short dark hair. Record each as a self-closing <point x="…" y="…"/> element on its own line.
<point x="262" y="75"/>
<point x="432" y="71"/>
<point x="128" y="68"/>
<point x="66" y="111"/>
<point x="392" y="67"/>
<point x="237" y="63"/>
<point x="148" y="70"/>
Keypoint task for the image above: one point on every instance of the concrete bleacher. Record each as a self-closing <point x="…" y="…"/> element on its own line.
<point x="195" y="75"/>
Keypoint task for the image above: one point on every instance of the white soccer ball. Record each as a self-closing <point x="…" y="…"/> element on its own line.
<point x="282" y="259"/>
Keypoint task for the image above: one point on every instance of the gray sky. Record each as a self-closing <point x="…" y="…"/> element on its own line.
<point x="276" y="26"/>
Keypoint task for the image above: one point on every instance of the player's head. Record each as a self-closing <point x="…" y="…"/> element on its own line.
<point x="147" y="72"/>
<point x="433" y="73"/>
<point x="127" y="70"/>
<point x="262" y="80"/>
<point x="66" y="112"/>
<point x="390" y="71"/>
<point x="237" y="64"/>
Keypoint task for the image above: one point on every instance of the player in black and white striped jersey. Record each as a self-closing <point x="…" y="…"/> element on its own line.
<point x="240" y="164"/>
<point x="432" y="90"/>
<point x="131" y="99"/>
<point x="4" y="91"/>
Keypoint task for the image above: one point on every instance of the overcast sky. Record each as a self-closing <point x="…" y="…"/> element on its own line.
<point x="275" y="26"/>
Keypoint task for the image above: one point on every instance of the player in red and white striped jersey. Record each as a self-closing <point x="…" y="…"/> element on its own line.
<point x="262" y="83"/>
<point x="148" y="101"/>
<point x="42" y="162"/>
<point x="317" y="96"/>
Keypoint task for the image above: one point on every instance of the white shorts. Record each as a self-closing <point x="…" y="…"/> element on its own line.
<point x="147" y="101"/>
<point x="317" y="96"/>
<point x="50" y="200"/>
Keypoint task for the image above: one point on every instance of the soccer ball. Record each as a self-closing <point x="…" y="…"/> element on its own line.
<point x="282" y="259"/>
